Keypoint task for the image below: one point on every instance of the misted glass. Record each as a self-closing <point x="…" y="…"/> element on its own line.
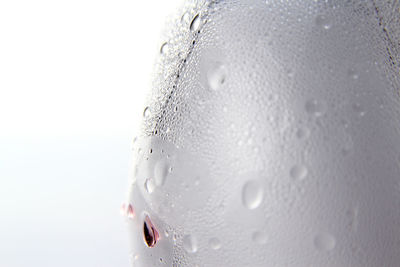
<point x="271" y="137"/>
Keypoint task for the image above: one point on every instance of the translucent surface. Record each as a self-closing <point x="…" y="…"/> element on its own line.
<point x="272" y="137"/>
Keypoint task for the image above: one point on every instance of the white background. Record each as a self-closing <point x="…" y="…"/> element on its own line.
<point x="73" y="76"/>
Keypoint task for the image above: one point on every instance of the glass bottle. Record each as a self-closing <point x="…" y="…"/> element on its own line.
<point x="271" y="137"/>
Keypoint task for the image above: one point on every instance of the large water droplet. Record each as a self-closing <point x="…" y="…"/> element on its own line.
<point x="259" y="238"/>
<point x="298" y="172"/>
<point x="216" y="76"/>
<point x="164" y="48"/>
<point x="150" y="234"/>
<point x="146" y="112"/>
<point x="190" y="243"/>
<point x="252" y="194"/>
<point x="324" y="242"/>
<point x="214" y="243"/>
<point x="314" y="107"/>
<point x="149" y="185"/>
<point x="185" y="18"/>
<point x="195" y="24"/>
<point x="161" y="171"/>
<point x="323" y="22"/>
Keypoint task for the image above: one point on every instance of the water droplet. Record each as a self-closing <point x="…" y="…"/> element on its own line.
<point x="303" y="133"/>
<point x="164" y="48"/>
<point x="190" y="243"/>
<point x="323" y="21"/>
<point x="214" y="243"/>
<point x="185" y="18"/>
<point x="161" y="171"/>
<point x="150" y="234"/>
<point x="290" y="73"/>
<point x="134" y="141"/>
<point x="352" y="213"/>
<point x="358" y="109"/>
<point x="147" y="112"/>
<point x="166" y="232"/>
<point x="298" y="172"/>
<point x="195" y="24"/>
<point x="130" y="212"/>
<point x="216" y="76"/>
<point x="345" y="151"/>
<point x="314" y="107"/>
<point x="325" y="242"/>
<point x="259" y="238"/>
<point x="272" y="97"/>
<point x="133" y="259"/>
<point x="353" y="74"/>
<point x="252" y="194"/>
<point x="149" y="185"/>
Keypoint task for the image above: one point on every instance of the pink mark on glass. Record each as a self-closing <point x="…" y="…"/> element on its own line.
<point x="130" y="212"/>
<point x="122" y="209"/>
<point x="127" y="210"/>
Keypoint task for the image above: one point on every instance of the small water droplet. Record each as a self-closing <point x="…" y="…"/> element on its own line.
<point x="324" y="242"/>
<point x="345" y="123"/>
<point x="216" y="76"/>
<point x="166" y="232"/>
<point x="150" y="234"/>
<point x="315" y="107"/>
<point x="195" y="24"/>
<point x="161" y="171"/>
<point x="149" y="185"/>
<point x="323" y="22"/>
<point x="252" y="194"/>
<point x="272" y="97"/>
<point x="133" y="259"/>
<point x="147" y="112"/>
<point x="190" y="243"/>
<point x="358" y="109"/>
<point x="164" y="48"/>
<point x="352" y="213"/>
<point x="303" y="133"/>
<point x="298" y="172"/>
<point x="290" y="73"/>
<point x="134" y="141"/>
<point x="214" y="243"/>
<point x="345" y="151"/>
<point x="259" y="238"/>
<point x="353" y="74"/>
